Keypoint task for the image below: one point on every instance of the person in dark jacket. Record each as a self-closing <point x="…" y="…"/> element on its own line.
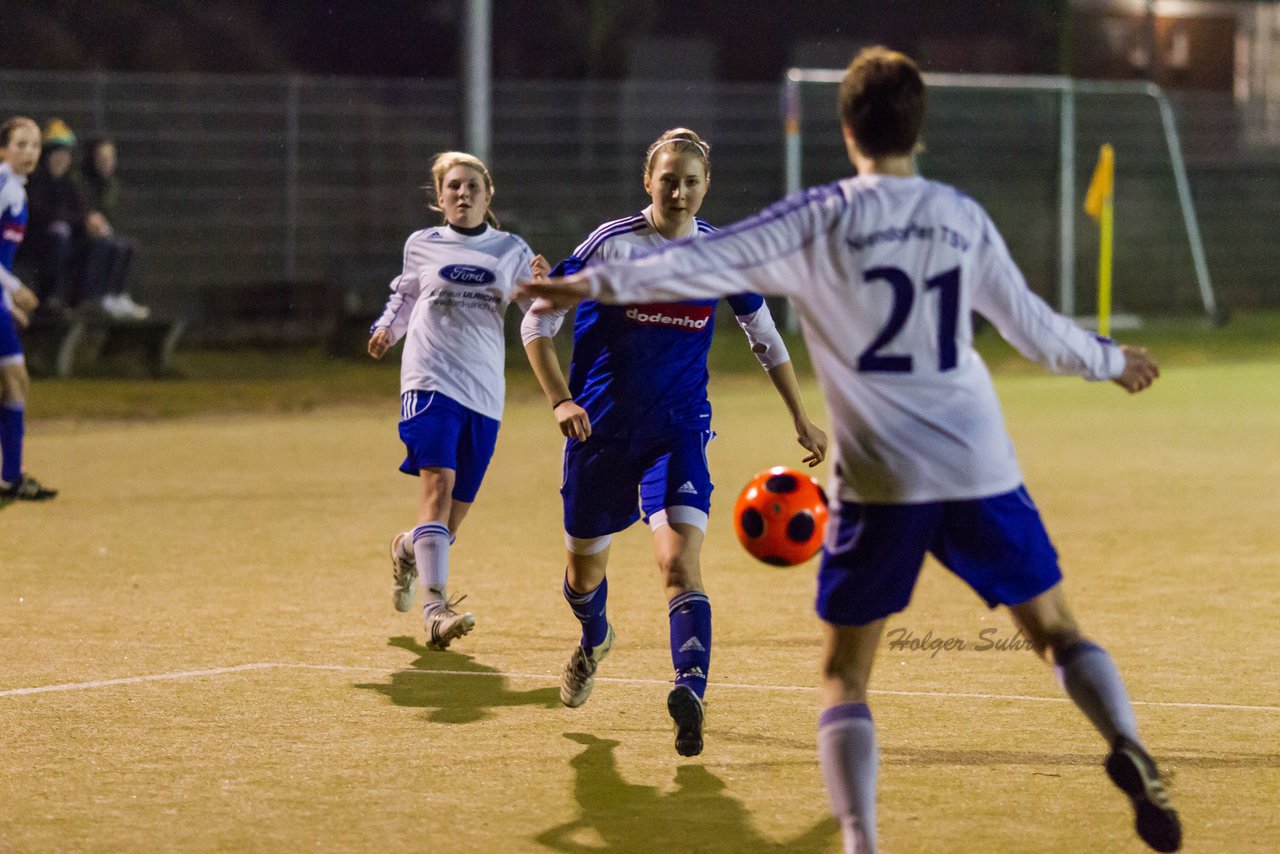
<point x="110" y="256"/>
<point x="56" y="220"/>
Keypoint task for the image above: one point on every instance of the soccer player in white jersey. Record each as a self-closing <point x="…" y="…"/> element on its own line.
<point x="884" y="270"/>
<point x="637" y="422"/>
<point x="449" y="303"/>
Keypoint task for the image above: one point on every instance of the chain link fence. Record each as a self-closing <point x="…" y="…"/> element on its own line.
<point x="239" y="180"/>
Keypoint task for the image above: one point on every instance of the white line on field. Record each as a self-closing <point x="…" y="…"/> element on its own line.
<point x="551" y="677"/>
<point x="133" y="680"/>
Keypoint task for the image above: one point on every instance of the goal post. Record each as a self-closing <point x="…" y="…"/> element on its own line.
<point x="1065" y="91"/>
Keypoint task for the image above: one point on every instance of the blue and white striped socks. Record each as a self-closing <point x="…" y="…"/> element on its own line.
<point x="431" y="551"/>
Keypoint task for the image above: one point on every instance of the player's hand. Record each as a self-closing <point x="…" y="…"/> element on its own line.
<point x="573" y="420"/>
<point x="379" y="343"/>
<point x="26" y="299"/>
<point x="560" y="293"/>
<point x="20" y="318"/>
<point x="540" y="268"/>
<point x="813" y="440"/>
<point x="1140" y="370"/>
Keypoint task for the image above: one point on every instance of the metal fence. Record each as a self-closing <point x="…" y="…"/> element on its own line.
<point x="233" y="179"/>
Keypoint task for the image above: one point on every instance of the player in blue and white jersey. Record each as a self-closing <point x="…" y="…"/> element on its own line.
<point x="448" y="304"/>
<point x="884" y="270"/>
<point x="20" y="151"/>
<point x="637" y="422"/>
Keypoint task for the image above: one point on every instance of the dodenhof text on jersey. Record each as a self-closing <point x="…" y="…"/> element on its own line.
<point x="683" y="316"/>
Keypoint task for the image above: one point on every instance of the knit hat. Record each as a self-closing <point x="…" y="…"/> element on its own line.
<point x="58" y="135"/>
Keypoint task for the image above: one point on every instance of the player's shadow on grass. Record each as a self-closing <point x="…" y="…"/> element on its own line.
<point x="697" y="816"/>
<point x="453" y="686"/>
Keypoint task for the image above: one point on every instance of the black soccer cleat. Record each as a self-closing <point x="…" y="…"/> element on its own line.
<point x="1134" y="773"/>
<point x="26" y="489"/>
<point x="685" y="708"/>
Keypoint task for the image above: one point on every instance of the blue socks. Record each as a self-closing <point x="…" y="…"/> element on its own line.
<point x="12" y="428"/>
<point x="589" y="608"/>
<point x="691" y="639"/>
<point x="850" y="760"/>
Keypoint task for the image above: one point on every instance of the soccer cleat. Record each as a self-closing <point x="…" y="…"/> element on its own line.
<point x="26" y="489"/>
<point x="579" y="675"/>
<point x="685" y="708"/>
<point x="444" y="624"/>
<point x="1134" y="773"/>
<point x="404" y="572"/>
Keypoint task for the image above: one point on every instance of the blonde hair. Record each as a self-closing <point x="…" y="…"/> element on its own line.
<point x="682" y="141"/>
<point x="446" y="160"/>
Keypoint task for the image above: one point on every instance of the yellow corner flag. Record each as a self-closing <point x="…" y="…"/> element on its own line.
<point x="1098" y="204"/>
<point x="1102" y="184"/>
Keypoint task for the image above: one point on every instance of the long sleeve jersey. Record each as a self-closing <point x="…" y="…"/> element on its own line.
<point x="13" y="226"/>
<point x="884" y="272"/>
<point x="643" y="368"/>
<point x="449" y="304"/>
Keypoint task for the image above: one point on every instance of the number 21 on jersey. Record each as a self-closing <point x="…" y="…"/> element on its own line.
<point x="904" y="293"/>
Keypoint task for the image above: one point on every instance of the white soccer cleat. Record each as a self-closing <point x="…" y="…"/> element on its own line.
<point x="579" y="675"/>
<point x="404" y="572"/>
<point x="444" y="624"/>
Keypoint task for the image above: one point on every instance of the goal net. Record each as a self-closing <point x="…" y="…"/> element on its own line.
<point x="1024" y="148"/>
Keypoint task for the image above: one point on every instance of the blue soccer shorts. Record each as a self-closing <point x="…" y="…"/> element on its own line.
<point x="874" y="552"/>
<point x="10" y="344"/>
<point x="604" y="475"/>
<point x="437" y="431"/>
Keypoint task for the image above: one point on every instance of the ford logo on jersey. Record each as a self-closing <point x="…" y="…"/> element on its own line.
<point x="465" y="274"/>
<point x="689" y="317"/>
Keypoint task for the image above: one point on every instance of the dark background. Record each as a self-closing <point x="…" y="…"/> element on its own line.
<point x="531" y="38"/>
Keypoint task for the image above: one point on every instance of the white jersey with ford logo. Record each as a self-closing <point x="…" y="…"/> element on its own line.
<point x="884" y="272"/>
<point x="449" y="304"/>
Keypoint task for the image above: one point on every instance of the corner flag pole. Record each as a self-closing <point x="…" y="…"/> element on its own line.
<point x="1098" y="204"/>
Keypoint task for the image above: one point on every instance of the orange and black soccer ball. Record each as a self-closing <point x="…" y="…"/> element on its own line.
<point x="781" y="516"/>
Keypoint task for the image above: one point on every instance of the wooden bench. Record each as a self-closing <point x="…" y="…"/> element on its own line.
<point x="63" y="343"/>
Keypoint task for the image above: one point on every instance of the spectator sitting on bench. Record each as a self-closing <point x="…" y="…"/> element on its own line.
<point x="56" y="218"/>
<point x="110" y="256"/>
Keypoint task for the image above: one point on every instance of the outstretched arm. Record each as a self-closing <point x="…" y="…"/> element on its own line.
<point x="808" y="434"/>
<point x="771" y="253"/>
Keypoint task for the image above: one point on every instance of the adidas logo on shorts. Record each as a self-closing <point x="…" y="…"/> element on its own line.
<point x="687" y="488"/>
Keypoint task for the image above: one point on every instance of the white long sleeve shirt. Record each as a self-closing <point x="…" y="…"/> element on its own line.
<point x="449" y="304"/>
<point x="883" y="273"/>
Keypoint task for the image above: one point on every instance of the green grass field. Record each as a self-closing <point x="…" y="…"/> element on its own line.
<point x="200" y="654"/>
<point x="239" y="381"/>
